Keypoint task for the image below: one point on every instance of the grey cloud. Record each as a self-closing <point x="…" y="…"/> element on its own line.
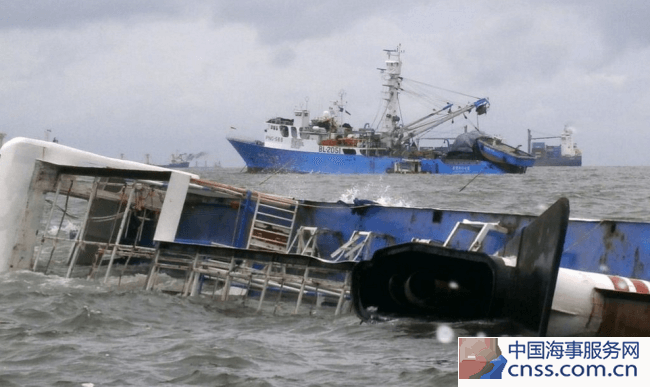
<point x="151" y="70"/>
<point x="44" y="14"/>
<point x="283" y="21"/>
<point x="621" y="24"/>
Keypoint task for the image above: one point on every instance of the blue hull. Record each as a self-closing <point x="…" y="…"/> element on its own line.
<point x="559" y="161"/>
<point x="262" y="159"/>
<point x="598" y="246"/>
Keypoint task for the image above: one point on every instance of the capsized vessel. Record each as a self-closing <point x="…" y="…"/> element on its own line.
<point x="550" y="274"/>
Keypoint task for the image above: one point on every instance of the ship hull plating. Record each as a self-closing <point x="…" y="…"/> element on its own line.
<point x="559" y="162"/>
<point x="259" y="158"/>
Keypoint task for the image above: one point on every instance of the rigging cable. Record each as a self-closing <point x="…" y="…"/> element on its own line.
<point x="440" y="88"/>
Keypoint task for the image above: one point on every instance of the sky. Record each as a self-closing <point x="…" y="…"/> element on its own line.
<point x="126" y="78"/>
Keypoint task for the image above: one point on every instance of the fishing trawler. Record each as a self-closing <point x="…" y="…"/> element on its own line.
<point x="327" y="144"/>
<point x="548" y="274"/>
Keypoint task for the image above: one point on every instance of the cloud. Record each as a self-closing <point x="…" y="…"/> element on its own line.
<point x="53" y="14"/>
<point x="621" y="25"/>
<point x="161" y="77"/>
<point x="290" y="21"/>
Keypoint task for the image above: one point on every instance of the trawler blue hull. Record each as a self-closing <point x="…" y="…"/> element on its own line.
<point x="259" y="158"/>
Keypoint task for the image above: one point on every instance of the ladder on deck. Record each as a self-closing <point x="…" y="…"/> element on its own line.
<point x="272" y="225"/>
<point x="480" y="228"/>
<point x="305" y="242"/>
<point x="359" y="246"/>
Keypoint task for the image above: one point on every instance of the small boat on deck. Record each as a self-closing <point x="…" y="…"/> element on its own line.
<point x="547" y="274"/>
<point x="500" y="153"/>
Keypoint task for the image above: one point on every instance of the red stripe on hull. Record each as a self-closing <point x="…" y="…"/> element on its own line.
<point x="619" y="283"/>
<point x="640" y="287"/>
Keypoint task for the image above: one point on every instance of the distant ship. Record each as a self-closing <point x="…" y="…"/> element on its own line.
<point x="566" y="154"/>
<point x="327" y="144"/>
<point x="177" y="160"/>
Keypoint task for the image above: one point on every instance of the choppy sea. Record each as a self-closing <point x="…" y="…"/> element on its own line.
<point x="58" y="332"/>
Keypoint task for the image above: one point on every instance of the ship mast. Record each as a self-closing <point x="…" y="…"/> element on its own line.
<point x="392" y="77"/>
<point x="394" y="133"/>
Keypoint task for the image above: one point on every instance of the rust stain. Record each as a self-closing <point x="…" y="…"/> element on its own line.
<point x="603" y="260"/>
<point x="639" y="268"/>
<point x="612" y="238"/>
<point x="625" y="315"/>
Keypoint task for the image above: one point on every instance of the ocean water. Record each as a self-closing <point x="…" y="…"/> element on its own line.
<point x="58" y="332"/>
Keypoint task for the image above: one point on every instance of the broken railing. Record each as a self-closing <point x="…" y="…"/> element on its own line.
<point x="126" y="225"/>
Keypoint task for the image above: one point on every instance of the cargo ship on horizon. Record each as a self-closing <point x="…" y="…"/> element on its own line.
<point x="566" y="154"/>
